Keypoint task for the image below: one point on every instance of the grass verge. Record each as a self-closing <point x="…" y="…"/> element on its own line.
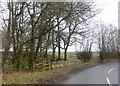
<point x="41" y="77"/>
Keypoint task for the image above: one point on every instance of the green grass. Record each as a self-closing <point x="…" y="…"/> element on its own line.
<point x="69" y="54"/>
<point x="95" y="55"/>
<point x="33" y="77"/>
<point x="24" y="77"/>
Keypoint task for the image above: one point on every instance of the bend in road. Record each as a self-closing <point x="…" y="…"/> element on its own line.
<point x="102" y="74"/>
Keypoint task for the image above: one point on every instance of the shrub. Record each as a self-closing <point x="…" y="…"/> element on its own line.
<point x="86" y="56"/>
<point x="107" y="55"/>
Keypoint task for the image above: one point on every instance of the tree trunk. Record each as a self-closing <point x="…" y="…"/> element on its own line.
<point x="53" y="53"/>
<point x="65" y="54"/>
<point x="59" y="52"/>
<point x="53" y="45"/>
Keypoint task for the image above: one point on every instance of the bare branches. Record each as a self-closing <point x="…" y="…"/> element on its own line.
<point x="36" y="27"/>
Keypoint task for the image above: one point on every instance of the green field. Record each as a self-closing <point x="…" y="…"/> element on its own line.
<point x="69" y="54"/>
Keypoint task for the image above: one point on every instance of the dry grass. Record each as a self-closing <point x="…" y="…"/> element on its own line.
<point x="33" y="77"/>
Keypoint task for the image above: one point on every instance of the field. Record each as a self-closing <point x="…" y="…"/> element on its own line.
<point x="69" y="54"/>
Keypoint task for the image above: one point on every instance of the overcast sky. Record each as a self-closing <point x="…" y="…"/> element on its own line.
<point x="108" y="15"/>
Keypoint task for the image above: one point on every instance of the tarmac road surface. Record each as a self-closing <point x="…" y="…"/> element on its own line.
<point x="102" y="74"/>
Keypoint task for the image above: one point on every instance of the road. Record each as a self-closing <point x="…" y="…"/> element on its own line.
<point x="102" y="74"/>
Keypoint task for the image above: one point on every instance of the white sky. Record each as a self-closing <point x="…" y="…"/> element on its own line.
<point x="109" y="13"/>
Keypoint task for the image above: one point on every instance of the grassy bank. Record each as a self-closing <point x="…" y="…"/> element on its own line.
<point x="49" y="76"/>
<point x="34" y="77"/>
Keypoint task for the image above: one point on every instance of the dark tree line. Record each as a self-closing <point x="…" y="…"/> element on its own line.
<point x="106" y="39"/>
<point x="30" y="29"/>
